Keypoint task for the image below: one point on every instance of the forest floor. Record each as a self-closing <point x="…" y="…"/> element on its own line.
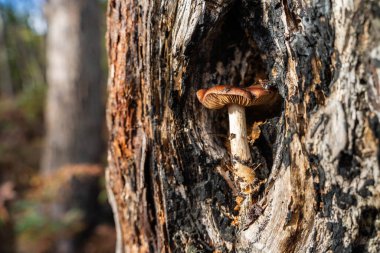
<point x="25" y="196"/>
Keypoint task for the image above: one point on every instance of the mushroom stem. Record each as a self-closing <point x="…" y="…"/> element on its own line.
<point x="241" y="156"/>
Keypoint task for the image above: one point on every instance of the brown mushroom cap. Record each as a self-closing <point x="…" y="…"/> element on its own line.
<point x="218" y="96"/>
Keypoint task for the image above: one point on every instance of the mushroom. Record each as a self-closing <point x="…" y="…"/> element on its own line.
<point x="236" y="98"/>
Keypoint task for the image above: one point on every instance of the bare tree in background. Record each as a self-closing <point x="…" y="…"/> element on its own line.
<point x="317" y="154"/>
<point x="6" y="88"/>
<point x="74" y="110"/>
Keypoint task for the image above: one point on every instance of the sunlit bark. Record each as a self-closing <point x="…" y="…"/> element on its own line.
<point x="316" y="152"/>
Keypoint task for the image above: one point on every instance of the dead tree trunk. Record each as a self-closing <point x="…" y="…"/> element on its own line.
<point x="316" y="152"/>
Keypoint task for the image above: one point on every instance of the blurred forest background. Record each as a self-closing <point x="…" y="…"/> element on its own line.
<point x="52" y="130"/>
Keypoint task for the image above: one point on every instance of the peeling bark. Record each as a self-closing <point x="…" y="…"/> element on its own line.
<point x="316" y="150"/>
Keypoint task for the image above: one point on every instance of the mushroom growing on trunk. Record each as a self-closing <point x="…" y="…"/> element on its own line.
<point x="237" y="98"/>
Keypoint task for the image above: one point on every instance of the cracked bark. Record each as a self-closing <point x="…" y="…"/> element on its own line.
<point x="317" y="150"/>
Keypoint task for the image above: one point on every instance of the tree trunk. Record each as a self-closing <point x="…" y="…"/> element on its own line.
<point x="316" y="151"/>
<point x="6" y="88"/>
<point x="74" y="113"/>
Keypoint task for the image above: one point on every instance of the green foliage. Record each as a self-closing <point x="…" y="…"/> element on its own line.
<point x="31" y="102"/>
<point x="21" y="115"/>
<point x="103" y="197"/>
<point x="21" y="131"/>
<point x="32" y="219"/>
<point x="25" y="51"/>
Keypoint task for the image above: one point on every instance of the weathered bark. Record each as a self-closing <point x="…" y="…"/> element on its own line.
<point x="74" y="111"/>
<point x="317" y="155"/>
